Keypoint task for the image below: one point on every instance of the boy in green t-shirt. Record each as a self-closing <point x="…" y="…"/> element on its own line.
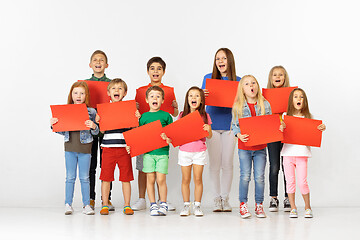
<point x="156" y="161"/>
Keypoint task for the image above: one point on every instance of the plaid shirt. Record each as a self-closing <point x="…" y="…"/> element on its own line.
<point x="102" y="79"/>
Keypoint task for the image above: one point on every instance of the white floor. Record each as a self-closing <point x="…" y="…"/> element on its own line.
<point x="44" y="223"/>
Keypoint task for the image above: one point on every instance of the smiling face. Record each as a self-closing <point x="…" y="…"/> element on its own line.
<point x="155" y="99"/>
<point x="298" y="101"/>
<point x="250" y="88"/>
<point x="278" y="78"/>
<point x="221" y="63"/>
<point x="116" y="92"/>
<point x="78" y="95"/>
<point x="156" y="72"/>
<point x="98" y="63"/>
<point x="194" y="99"/>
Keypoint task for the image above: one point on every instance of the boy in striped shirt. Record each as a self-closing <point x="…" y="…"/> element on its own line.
<point x="114" y="152"/>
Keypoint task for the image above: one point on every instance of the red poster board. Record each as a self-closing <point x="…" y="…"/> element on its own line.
<point x="261" y="129"/>
<point x="98" y="92"/>
<point x="186" y="129"/>
<point x="166" y="106"/>
<point x="71" y="117"/>
<point x="302" y="131"/>
<point x="222" y="93"/>
<point x="117" y="115"/>
<point x="278" y="98"/>
<point x="145" y="138"/>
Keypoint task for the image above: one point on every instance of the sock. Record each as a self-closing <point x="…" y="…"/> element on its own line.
<point x="197" y="203"/>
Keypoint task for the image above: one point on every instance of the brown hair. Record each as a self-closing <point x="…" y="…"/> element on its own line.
<point x="231" y="73"/>
<point x="157" y="60"/>
<point x="116" y="81"/>
<point x="201" y="108"/>
<point x="87" y="92"/>
<point x="291" y="109"/>
<point x="286" y="77"/>
<point x="155" y="88"/>
<point x="99" y="52"/>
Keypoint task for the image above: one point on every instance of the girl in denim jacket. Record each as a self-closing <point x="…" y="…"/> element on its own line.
<point x="249" y="102"/>
<point x="78" y="150"/>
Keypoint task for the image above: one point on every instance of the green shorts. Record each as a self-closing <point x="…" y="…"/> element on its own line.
<point x="155" y="163"/>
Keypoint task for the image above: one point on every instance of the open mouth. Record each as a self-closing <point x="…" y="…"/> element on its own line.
<point x="222" y="66"/>
<point x="116" y="96"/>
<point x="156" y="76"/>
<point x="277" y="81"/>
<point x="97" y="66"/>
<point x="252" y="90"/>
<point x="78" y="101"/>
<point x="155" y="104"/>
<point x="193" y="103"/>
<point x="299" y="104"/>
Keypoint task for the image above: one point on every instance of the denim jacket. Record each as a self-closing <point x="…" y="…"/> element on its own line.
<point x="246" y="113"/>
<point x="85" y="135"/>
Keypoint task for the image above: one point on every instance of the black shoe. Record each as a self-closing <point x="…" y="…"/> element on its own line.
<point x="274" y="205"/>
<point x="287" y="206"/>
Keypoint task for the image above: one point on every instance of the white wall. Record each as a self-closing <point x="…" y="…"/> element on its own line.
<point x="46" y="46"/>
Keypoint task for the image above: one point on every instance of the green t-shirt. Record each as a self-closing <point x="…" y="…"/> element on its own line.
<point x="165" y="119"/>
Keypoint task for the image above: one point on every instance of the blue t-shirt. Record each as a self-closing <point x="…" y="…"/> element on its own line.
<point x="220" y="116"/>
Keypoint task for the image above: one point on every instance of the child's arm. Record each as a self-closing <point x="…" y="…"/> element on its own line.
<point x="207" y="128"/>
<point x="163" y="136"/>
<point x="236" y="130"/>
<point x="176" y="108"/>
<point x="137" y="114"/>
<point x="322" y="127"/>
<point x="93" y="127"/>
<point x="128" y="149"/>
<point x="53" y="121"/>
<point x="282" y="126"/>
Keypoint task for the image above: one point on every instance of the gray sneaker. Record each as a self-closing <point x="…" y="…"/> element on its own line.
<point x="186" y="210"/>
<point x="226" y="205"/>
<point x="197" y="211"/>
<point x="217" y="205"/>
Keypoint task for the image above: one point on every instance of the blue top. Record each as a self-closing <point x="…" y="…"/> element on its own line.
<point x="220" y="116"/>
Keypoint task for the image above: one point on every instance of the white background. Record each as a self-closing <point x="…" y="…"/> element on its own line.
<point x="46" y="46"/>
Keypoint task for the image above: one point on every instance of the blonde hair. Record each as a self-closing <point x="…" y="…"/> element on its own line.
<point x="286" y="80"/>
<point x="87" y="92"/>
<point x="117" y="81"/>
<point x="240" y="99"/>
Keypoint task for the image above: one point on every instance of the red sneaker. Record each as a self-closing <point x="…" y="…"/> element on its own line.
<point x="259" y="211"/>
<point x="244" y="212"/>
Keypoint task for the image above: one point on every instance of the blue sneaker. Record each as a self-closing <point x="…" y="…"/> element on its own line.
<point x="163" y="209"/>
<point x="154" y="210"/>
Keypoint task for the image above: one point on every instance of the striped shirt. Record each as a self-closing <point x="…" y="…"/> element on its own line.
<point x="114" y="138"/>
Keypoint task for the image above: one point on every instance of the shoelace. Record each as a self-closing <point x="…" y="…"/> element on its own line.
<point x="243" y="208"/>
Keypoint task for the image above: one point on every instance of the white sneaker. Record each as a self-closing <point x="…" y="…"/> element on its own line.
<point x="186" y="210"/>
<point x="308" y="213"/>
<point x="68" y="209"/>
<point x="163" y="208"/>
<point x="88" y="210"/>
<point x="226" y="205"/>
<point x="140" y="204"/>
<point x="217" y="205"/>
<point x="197" y="211"/>
<point x="293" y="213"/>
<point x="171" y="207"/>
<point x="154" y="210"/>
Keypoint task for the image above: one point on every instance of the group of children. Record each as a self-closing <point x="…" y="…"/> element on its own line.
<point x="223" y="127"/>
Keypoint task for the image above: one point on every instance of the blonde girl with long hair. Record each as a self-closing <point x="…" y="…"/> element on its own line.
<point x="222" y="145"/>
<point x="249" y="102"/>
<point x="278" y="78"/>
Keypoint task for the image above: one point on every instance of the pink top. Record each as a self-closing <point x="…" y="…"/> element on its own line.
<point x="196" y="146"/>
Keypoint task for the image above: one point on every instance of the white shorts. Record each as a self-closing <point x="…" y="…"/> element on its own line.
<point x="189" y="158"/>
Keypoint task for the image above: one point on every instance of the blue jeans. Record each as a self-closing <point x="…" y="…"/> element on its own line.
<point x="72" y="159"/>
<point x="247" y="157"/>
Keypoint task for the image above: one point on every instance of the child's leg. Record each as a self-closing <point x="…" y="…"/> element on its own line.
<point x="198" y="171"/>
<point x="142" y="184"/>
<point x="245" y="158"/>
<point x="214" y="148"/>
<point x="301" y="169"/>
<point x="185" y="182"/>
<point x="259" y="174"/>
<point x="84" y="167"/>
<point x="227" y="163"/>
<point x="161" y="181"/>
<point x="150" y="179"/>
<point x="274" y="149"/>
<point x="71" y="165"/>
<point x="126" y="188"/>
<point x="105" y="191"/>
<point x="289" y="170"/>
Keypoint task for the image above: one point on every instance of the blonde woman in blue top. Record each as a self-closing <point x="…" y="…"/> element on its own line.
<point x="221" y="146"/>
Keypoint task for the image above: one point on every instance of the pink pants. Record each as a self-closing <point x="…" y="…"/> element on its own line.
<point x="300" y="163"/>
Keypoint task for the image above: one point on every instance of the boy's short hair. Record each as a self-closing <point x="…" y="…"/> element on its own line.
<point x="155" y="88"/>
<point x="99" y="52"/>
<point x="116" y="81"/>
<point x="157" y="60"/>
